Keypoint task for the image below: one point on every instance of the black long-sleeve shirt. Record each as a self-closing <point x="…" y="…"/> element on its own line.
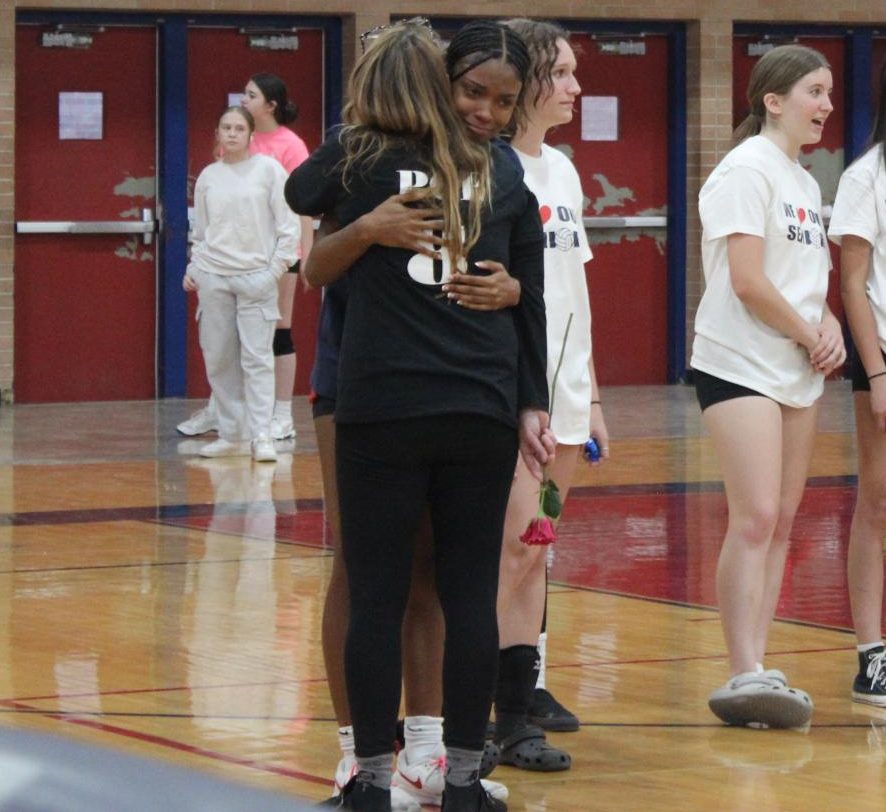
<point x="406" y="350"/>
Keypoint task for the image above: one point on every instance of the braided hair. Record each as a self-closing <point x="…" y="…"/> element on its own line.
<point x="484" y="40"/>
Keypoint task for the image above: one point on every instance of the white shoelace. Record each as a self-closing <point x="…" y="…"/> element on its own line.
<point x="876" y="673"/>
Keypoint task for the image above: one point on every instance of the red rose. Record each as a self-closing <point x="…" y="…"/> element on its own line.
<point x="540" y="531"/>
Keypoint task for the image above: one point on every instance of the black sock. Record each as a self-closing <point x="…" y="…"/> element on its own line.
<point x="517" y="675"/>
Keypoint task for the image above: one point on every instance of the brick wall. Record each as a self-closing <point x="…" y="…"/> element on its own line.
<point x="709" y="56"/>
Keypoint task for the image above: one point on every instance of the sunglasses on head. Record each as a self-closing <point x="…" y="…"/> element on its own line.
<point x="367" y="37"/>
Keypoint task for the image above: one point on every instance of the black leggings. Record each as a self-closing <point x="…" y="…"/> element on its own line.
<point x="460" y="467"/>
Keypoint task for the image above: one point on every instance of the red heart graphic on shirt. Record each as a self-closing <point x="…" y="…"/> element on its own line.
<point x="545" y="213"/>
<point x="801" y="213"/>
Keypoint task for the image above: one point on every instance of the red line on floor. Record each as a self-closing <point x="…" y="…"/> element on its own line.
<point x="172" y="744"/>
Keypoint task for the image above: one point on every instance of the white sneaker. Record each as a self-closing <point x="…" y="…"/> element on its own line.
<point x="426" y="780"/>
<point x="761" y="699"/>
<point x="282" y="428"/>
<point x="225" y="448"/>
<point x="495" y="789"/>
<point x="347" y="768"/>
<point x="201" y="422"/>
<point x="402" y="801"/>
<point x="263" y="449"/>
<point x="189" y="447"/>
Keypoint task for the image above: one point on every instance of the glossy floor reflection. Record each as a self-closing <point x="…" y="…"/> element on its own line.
<point x="158" y="603"/>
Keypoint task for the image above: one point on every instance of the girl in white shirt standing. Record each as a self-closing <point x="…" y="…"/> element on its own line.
<point x="521" y="709"/>
<point x="765" y="340"/>
<point x="858" y="226"/>
<point x="245" y="238"/>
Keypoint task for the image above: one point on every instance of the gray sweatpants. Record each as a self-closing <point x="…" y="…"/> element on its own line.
<point x="237" y="316"/>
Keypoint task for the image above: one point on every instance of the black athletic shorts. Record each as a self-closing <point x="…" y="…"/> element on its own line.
<point x="710" y="389"/>
<point x="860" y="382"/>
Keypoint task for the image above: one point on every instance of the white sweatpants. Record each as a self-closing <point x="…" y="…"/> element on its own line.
<point x="237" y="316"/>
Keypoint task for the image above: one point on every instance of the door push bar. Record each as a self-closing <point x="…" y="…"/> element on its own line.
<point x="625" y="222"/>
<point x="146" y="226"/>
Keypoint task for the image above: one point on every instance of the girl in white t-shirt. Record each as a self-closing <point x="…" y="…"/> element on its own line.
<point x="765" y="340"/>
<point x="858" y="226"/>
<point x="245" y="238"/>
<point x="577" y="412"/>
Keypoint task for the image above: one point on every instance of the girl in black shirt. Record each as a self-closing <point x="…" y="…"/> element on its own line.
<point x="430" y="396"/>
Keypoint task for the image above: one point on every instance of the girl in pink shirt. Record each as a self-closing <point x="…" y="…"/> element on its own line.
<point x="266" y="98"/>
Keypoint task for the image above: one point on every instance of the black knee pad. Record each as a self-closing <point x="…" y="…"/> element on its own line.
<point x="283" y="342"/>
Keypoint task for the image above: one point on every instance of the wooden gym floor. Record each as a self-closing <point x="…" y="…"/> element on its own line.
<point x="161" y="604"/>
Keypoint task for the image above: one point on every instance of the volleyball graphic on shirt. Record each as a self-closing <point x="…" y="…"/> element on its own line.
<point x="560" y="227"/>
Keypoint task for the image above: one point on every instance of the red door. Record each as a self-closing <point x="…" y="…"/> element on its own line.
<point x="625" y="177"/>
<point x="824" y="160"/>
<point x="211" y="81"/>
<point x="84" y="303"/>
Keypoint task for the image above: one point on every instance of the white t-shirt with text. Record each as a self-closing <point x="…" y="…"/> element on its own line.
<point x="758" y="190"/>
<point x="552" y="178"/>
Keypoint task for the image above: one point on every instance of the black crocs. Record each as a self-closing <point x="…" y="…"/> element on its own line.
<point x="528" y="749"/>
<point x="490" y="759"/>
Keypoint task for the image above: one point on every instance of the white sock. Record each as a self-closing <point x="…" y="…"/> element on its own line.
<point x="346" y="740"/>
<point x="283" y="409"/>
<point x="869" y="646"/>
<point x="424" y="738"/>
<point x="542" y="659"/>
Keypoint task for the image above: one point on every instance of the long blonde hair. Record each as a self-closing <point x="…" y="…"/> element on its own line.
<point x="399" y="94"/>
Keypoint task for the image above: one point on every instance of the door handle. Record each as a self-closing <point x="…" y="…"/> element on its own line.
<point x="146" y="226"/>
<point x="625" y="222"/>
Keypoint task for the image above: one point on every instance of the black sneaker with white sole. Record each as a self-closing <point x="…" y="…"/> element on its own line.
<point x="546" y="712"/>
<point x="870" y="682"/>
<point x="473" y="798"/>
<point x="358" y="793"/>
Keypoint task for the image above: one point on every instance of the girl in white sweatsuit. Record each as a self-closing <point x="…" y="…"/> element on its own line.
<point x="245" y="238"/>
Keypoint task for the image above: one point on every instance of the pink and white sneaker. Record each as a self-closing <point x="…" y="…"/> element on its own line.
<point x="424" y="781"/>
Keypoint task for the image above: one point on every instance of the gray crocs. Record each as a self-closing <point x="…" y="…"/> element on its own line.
<point x="762" y="700"/>
<point x="528" y="749"/>
<point x="490" y="759"/>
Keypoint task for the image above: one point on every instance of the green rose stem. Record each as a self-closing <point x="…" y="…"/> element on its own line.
<point x="549" y="502"/>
